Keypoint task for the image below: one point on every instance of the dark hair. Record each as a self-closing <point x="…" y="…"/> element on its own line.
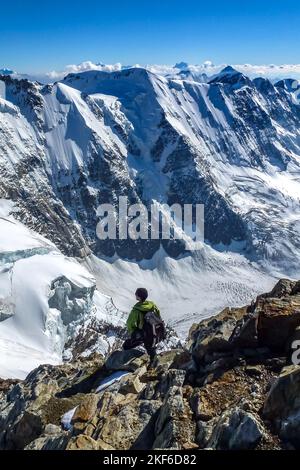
<point x="142" y="293"/>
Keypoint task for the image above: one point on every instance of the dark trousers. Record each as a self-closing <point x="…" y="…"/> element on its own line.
<point x="138" y="338"/>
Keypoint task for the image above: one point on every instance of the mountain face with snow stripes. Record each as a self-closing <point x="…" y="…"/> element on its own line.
<point x="232" y="144"/>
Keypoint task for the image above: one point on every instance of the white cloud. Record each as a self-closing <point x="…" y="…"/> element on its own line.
<point x="271" y="71"/>
<point x="83" y="67"/>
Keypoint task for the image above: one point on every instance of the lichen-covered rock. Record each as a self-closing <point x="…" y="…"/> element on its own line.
<point x="204" y="432"/>
<point x="85" y="411"/>
<point x="171" y="378"/>
<point x="175" y="427"/>
<point x="127" y="423"/>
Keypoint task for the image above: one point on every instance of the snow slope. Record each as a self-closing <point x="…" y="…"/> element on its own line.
<point x="31" y="332"/>
<point x="186" y="289"/>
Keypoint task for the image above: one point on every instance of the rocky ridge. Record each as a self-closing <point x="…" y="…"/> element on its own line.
<point x="232" y="386"/>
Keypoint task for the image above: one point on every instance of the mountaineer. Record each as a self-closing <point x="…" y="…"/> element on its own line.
<point x="145" y="325"/>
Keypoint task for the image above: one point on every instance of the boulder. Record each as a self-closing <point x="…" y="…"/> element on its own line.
<point x="296" y="288"/>
<point x="52" y="429"/>
<point x="28" y="428"/>
<point x="55" y="442"/>
<point x="283" y="288"/>
<point x="132" y="385"/>
<point x="166" y="358"/>
<point x="283" y="399"/>
<point x="277" y="320"/>
<point x="129" y="360"/>
<point x="85" y="411"/>
<point x="245" y="333"/>
<point x="215" y="334"/>
<point x="181" y="360"/>
<point x="236" y="430"/>
<point x="149" y="392"/>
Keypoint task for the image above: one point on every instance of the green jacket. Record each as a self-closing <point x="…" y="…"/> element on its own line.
<point x="136" y="317"/>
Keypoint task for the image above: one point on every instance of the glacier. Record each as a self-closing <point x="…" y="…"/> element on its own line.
<point x="37" y="311"/>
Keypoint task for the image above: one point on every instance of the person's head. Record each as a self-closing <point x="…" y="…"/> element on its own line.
<point x="141" y="294"/>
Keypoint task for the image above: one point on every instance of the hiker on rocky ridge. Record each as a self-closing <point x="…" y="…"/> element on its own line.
<point x="145" y="325"/>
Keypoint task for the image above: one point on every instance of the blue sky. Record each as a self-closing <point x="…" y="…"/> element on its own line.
<point x="40" y="36"/>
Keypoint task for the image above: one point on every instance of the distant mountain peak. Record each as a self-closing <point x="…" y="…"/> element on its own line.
<point x="229" y="69"/>
<point x="181" y="66"/>
<point x="288" y="84"/>
<point x="6" y="72"/>
<point x="230" y="76"/>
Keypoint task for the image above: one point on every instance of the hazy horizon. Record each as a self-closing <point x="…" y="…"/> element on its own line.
<point x="39" y="37"/>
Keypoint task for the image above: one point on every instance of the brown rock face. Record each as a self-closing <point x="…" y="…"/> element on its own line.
<point x="283" y="288"/>
<point x="82" y="442"/>
<point x="277" y="320"/>
<point x="215" y="333"/>
<point x="85" y="411"/>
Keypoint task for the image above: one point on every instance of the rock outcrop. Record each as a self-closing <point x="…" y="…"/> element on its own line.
<point x="228" y="389"/>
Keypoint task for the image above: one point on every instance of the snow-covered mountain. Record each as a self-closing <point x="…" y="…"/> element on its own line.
<point x="232" y="144"/>
<point x="6" y="72"/>
<point x="228" y="142"/>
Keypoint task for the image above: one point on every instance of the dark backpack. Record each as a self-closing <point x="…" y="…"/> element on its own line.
<point x="154" y="328"/>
